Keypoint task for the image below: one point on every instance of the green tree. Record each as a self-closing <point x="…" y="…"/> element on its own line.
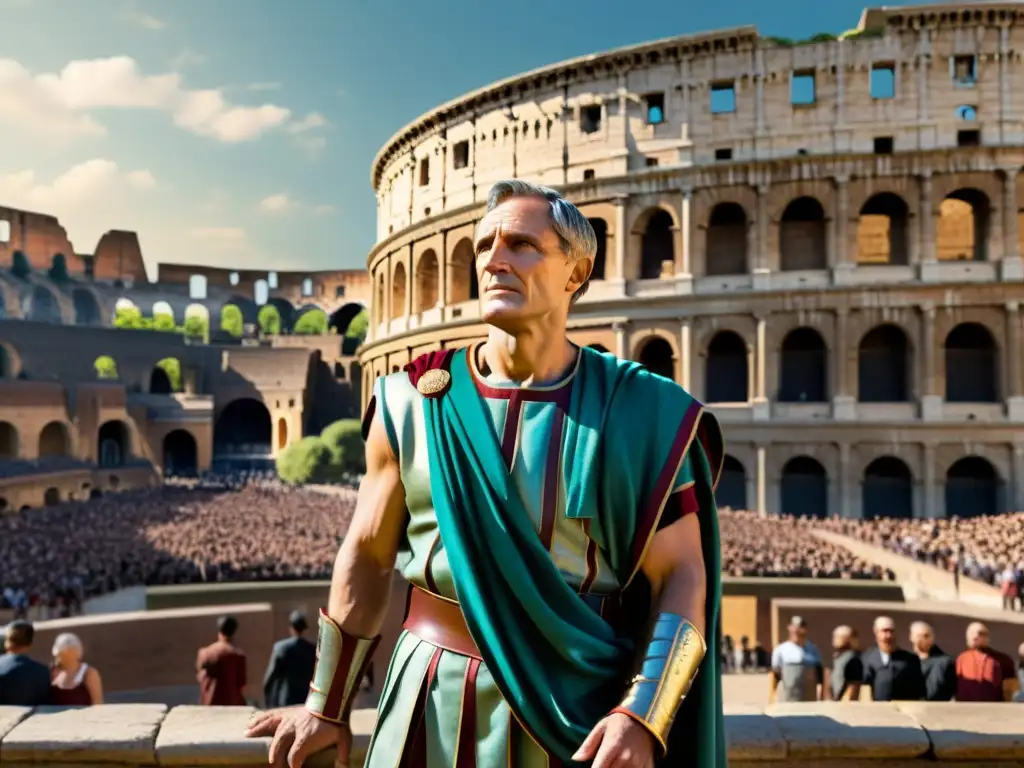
<point x="231" y="320"/>
<point x="312" y="323"/>
<point x="105" y="367"/>
<point x="19" y="265"/>
<point x="358" y="327"/>
<point x="305" y="461"/>
<point x="129" y="318"/>
<point x="344" y="439"/>
<point x="269" y="320"/>
<point x="164" y="322"/>
<point x="196" y="327"/>
<point x="59" y="269"/>
<point x="172" y="367"/>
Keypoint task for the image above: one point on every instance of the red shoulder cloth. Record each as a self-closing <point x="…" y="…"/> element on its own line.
<point x="428" y="361"/>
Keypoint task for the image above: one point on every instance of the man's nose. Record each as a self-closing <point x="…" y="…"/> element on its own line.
<point x="495" y="259"/>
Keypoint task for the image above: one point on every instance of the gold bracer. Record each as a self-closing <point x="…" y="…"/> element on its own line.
<point x="668" y="667"/>
<point x="341" y="662"/>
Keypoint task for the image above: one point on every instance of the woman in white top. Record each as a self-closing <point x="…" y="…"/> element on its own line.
<point x="74" y="683"/>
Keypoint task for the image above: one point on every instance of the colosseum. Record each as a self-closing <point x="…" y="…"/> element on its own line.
<point x="820" y="239"/>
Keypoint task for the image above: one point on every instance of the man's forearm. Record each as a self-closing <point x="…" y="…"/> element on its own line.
<point x="360" y="591"/>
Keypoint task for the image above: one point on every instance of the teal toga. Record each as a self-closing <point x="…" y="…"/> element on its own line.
<point x="530" y="511"/>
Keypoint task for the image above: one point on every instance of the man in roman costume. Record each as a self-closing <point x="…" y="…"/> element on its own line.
<point x="552" y="508"/>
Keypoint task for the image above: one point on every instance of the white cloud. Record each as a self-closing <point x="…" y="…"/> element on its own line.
<point x="278" y="203"/>
<point x="220" y="238"/>
<point x="139" y="18"/>
<point x="270" y="85"/>
<point x="58" y="103"/>
<point x="80" y="185"/>
<point x="323" y="210"/>
<point x="310" y="122"/>
<point x="187" y="58"/>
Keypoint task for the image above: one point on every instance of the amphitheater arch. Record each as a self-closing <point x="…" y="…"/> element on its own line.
<point x="888" y="489"/>
<point x="657" y="228"/>
<point x="884" y="363"/>
<point x="398" y="290"/>
<point x="41" y="305"/>
<point x="725" y="250"/>
<point x="180" y="454"/>
<point x="972" y="365"/>
<point x="657" y="355"/>
<point x="243" y="430"/>
<point x="803" y="367"/>
<point x="804" y="488"/>
<point x="249" y="309"/>
<point x="163" y="308"/>
<point x="113" y="444"/>
<point x="342" y="317"/>
<point x="10" y="363"/>
<point x="285" y="311"/>
<point x="427" y="288"/>
<point x="803" y="236"/>
<point x="463" y="284"/>
<point x="962" y="231"/>
<point x="732" y="484"/>
<point x="165" y="378"/>
<point x="973" y="488"/>
<point x="600" y="269"/>
<point x="727" y="369"/>
<point x="51" y="497"/>
<point x="87" y="308"/>
<point x="380" y="303"/>
<point x="54" y="440"/>
<point x="197" y="287"/>
<point x="8" y="440"/>
<point x="883" y="229"/>
<point x="260" y="292"/>
<point x="282" y="433"/>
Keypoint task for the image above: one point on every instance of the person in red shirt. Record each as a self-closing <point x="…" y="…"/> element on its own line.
<point x="221" y="668"/>
<point x="983" y="673"/>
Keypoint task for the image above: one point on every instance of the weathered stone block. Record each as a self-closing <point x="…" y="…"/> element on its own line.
<point x="973" y="732"/>
<point x="753" y="735"/>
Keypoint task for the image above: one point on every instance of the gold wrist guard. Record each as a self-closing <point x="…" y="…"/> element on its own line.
<point x="667" y="670"/>
<point x="341" y="662"/>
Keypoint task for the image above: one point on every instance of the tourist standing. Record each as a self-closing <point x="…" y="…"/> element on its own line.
<point x="983" y="673"/>
<point x="847" y="672"/>
<point x="75" y="683"/>
<point x="221" y="668"/>
<point x="796" y="668"/>
<point x="24" y="682"/>
<point x="938" y="668"/>
<point x="290" y="670"/>
<point x="891" y="673"/>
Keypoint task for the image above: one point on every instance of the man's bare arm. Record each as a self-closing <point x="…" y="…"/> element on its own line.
<point x="363" y="569"/>
<point x="674" y="566"/>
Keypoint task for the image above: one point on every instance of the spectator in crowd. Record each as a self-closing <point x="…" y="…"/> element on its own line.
<point x="744" y="658"/>
<point x="847" y="671"/>
<point x="938" y="668"/>
<point x="290" y="670"/>
<point x="1019" y="695"/>
<point x="221" y="668"/>
<point x="24" y="682"/>
<point x="796" y="671"/>
<point x="1008" y="587"/>
<point x="891" y="673"/>
<point x="75" y="683"/>
<point x="983" y="673"/>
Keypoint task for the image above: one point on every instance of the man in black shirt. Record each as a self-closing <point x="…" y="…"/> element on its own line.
<point x="938" y="668"/>
<point x="24" y="682"/>
<point x="891" y="673"/>
<point x="844" y="678"/>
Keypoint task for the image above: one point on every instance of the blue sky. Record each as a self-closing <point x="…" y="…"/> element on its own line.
<point x="242" y="131"/>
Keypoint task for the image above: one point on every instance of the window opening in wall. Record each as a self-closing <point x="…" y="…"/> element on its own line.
<point x="883" y="145"/>
<point x="883" y="81"/>
<point x="424" y="172"/>
<point x="233" y="278"/>
<point x="272" y="280"/>
<point x="588" y="174"/>
<point x="723" y="154"/>
<point x="339" y="291"/>
<point x="967" y="113"/>
<point x="802" y="152"/>
<point x="723" y="98"/>
<point x="90" y="267"/>
<point x="5" y="231"/>
<point x="655" y="108"/>
<point x="801" y="89"/>
<point x="590" y="119"/>
<point x="652" y="162"/>
<point x="964" y="70"/>
<point x="460" y="154"/>
<point x="307" y="286"/>
<point x="197" y="287"/>
<point x="426" y="211"/>
<point x="968" y="138"/>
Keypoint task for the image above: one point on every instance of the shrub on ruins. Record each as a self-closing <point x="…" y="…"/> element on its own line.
<point x="269" y="319"/>
<point x="130" y="318"/>
<point x="344" y="439"/>
<point x="231" y="321"/>
<point x="307" y="461"/>
<point x="19" y="265"/>
<point x="311" y="323"/>
<point x="59" y="269"/>
<point x="164" y="322"/>
<point x="196" y="327"/>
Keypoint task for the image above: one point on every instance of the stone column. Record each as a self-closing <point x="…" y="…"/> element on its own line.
<point x="762" y="481"/>
<point x="1011" y="266"/>
<point x="621" y="238"/>
<point x="1011" y="358"/>
<point x="685" y="352"/>
<point x="684" y="278"/>
<point x="621" y="340"/>
<point x="1018" y="476"/>
<point x="760" y="254"/>
<point x="847" y="484"/>
<point x="410" y="281"/>
<point x="842" y="267"/>
<point x="761" y="407"/>
<point x="844" y="403"/>
<point x="442" y="272"/>
<point x="925" y="256"/>
<point x="930" y="397"/>
<point x="933" y="508"/>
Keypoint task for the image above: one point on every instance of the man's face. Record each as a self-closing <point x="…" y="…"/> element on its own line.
<point x="978" y="637"/>
<point x="524" y="274"/>
<point x="885" y="634"/>
<point x="922" y="639"/>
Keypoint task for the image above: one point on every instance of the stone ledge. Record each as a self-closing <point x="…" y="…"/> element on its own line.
<point x="879" y="735"/>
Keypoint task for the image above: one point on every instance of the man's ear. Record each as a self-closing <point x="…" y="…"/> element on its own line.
<point x="580" y="274"/>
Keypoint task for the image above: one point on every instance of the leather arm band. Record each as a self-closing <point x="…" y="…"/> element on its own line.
<point x="668" y="667"/>
<point x="341" y="662"/>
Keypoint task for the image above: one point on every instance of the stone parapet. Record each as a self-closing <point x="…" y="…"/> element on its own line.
<point x="880" y="735"/>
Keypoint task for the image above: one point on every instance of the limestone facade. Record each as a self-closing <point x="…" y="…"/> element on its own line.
<point x="822" y="241"/>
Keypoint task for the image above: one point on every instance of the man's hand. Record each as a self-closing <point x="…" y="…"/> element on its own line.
<point x="298" y="734"/>
<point x="618" y="741"/>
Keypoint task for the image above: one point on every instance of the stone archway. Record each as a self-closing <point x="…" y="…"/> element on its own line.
<point x="803" y="236"/>
<point x="963" y="227"/>
<point x="113" y="447"/>
<point x="973" y="488"/>
<point x="54" y="440"/>
<point x="8" y="440"/>
<point x="882" y="230"/>
<point x="180" y="456"/>
<point x="282" y="433"/>
<point x="601" y="257"/>
<point x="883" y="366"/>
<point x="463" y="284"/>
<point x="243" y="430"/>
<point x="804" y="488"/>
<point x="727" y="371"/>
<point x="657" y="244"/>
<point x="972" y="366"/>
<point x="732" y="485"/>
<point x="427" y="288"/>
<point x="656" y="355"/>
<point x="726" y="248"/>
<point x="398" y="290"/>
<point x="888" y="489"/>
<point x="87" y="309"/>
<point x="803" y="367"/>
